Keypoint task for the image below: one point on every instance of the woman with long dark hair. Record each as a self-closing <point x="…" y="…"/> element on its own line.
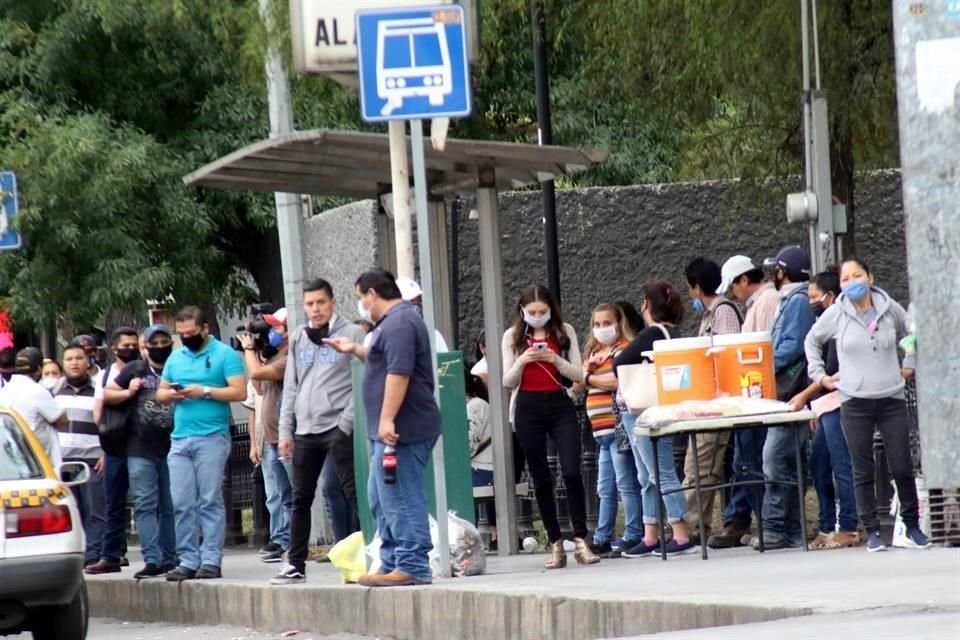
<point x="541" y="360"/>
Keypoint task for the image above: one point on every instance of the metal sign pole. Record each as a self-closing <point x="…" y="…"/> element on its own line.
<point x="424" y="233"/>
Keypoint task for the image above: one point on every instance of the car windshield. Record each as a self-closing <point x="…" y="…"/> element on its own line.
<point x="17" y="460"/>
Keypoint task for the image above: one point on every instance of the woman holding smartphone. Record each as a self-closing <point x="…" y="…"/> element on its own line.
<point x="541" y="360"/>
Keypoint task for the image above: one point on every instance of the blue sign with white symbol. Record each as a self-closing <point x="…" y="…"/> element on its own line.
<point x="413" y="63"/>
<point x="9" y="239"/>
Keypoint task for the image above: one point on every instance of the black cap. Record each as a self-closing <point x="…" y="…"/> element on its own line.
<point x="86" y="341"/>
<point x="29" y="360"/>
<point x="793" y="259"/>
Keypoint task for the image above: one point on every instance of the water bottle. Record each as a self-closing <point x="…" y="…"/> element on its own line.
<point x="389" y="465"/>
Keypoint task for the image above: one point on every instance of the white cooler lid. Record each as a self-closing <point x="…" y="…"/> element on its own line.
<point x="729" y="339"/>
<point x="681" y="344"/>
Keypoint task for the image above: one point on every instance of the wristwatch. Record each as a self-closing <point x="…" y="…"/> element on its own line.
<point x="206" y="393"/>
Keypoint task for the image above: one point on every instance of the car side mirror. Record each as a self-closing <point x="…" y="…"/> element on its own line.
<point x="74" y="473"/>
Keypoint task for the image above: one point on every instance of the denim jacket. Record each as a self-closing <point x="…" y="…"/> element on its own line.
<point x="791" y="325"/>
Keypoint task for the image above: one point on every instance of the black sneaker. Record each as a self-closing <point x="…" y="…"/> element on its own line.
<point x="209" y="572"/>
<point x="273" y="556"/>
<point x="603" y="549"/>
<point x="289" y="575"/>
<point x="180" y="574"/>
<point x="150" y="570"/>
<point x="640" y="550"/>
<point x="677" y="548"/>
<point x="270" y="547"/>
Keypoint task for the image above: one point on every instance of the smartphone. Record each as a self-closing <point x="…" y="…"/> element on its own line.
<point x="176" y="386"/>
<point x="540" y="346"/>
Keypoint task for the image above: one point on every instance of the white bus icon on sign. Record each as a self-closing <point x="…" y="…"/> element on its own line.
<point x="412" y="60"/>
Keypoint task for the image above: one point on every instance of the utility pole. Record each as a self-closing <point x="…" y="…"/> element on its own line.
<point x="541" y="70"/>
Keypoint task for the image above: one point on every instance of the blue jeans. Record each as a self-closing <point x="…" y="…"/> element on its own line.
<point x="196" y="485"/>
<point x="153" y="509"/>
<point x="829" y="461"/>
<point x="643" y="452"/>
<point x="116" y="486"/>
<point x="617" y="474"/>
<point x="781" y="503"/>
<point x="279" y="490"/>
<point x="746" y="500"/>
<point x="92" y="502"/>
<point x="401" y="509"/>
<point x="340" y="511"/>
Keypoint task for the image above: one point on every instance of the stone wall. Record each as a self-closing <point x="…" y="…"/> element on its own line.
<point x="613" y="239"/>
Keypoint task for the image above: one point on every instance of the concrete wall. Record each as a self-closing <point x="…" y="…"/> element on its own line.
<point x="613" y="239"/>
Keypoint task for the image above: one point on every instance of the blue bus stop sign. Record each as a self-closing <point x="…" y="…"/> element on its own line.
<point x="9" y="239"/>
<point x="413" y="63"/>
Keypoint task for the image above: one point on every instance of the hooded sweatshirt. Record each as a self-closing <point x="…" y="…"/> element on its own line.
<point x="866" y="350"/>
<point x="317" y="385"/>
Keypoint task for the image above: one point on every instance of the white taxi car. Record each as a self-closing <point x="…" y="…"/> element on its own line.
<point x="41" y="539"/>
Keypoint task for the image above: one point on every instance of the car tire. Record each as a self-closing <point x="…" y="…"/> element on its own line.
<point x="68" y="622"/>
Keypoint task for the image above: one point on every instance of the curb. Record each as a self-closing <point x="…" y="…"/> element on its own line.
<point x="410" y="613"/>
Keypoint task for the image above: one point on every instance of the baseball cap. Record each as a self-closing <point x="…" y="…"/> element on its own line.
<point x="732" y="269"/>
<point x="86" y="341"/>
<point x="154" y="329"/>
<point x="29" y="360"/>
<point x="409" y="289"/>
<point x="792" y="259"/>
<point x="276" y="319"/>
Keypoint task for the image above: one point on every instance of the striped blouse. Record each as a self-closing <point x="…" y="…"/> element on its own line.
<point x="600" y="401"/>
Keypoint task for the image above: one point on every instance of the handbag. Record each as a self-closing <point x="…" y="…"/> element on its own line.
<point x="638" y="383"/>
<point x="792" y="380"/>
<point x="620" y="432"/>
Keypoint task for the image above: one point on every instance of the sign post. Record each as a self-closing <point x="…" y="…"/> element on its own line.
<point x="10" y="240"/>
<point x="413" y="65"/>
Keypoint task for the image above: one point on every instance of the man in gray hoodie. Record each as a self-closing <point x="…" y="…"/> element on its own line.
<point x="316" y="415"/>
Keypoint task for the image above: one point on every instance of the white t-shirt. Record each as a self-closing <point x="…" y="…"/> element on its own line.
<point x="98" y="386"/>
<point x="37" y="408"/>
<point x="478" y="417"/>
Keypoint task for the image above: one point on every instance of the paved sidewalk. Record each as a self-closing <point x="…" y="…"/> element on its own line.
<point x="517" y="598"/>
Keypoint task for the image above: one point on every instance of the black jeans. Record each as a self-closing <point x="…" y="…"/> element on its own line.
<point x="309" y="454"/>
<point x="859" y="419"/>
<point x="538" y="415"/>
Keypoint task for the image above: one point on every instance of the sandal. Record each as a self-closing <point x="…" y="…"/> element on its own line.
<point x="823" y="541"/>
<point x="846" y="539"/>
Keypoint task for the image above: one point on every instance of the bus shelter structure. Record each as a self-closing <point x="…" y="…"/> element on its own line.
<point x="357" y="165"/>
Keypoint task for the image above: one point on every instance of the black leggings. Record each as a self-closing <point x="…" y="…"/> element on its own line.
<point x="538" y="415"/>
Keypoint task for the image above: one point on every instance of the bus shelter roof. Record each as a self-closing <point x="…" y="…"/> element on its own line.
<point x="357" y="164"/>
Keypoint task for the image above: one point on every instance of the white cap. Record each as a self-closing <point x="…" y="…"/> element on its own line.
<point x="276" y="319"/>
<point x="409" y="289"/>
<point x="733" y="269"/>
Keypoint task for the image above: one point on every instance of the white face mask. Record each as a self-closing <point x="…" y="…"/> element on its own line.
<point x="536" y="322"/>
<point x="364" y="312"/>
<point x="605" y="335"/>
<point x="50" y="383"/>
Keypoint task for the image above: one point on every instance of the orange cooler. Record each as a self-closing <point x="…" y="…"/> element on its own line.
<point x="684" y="370"/>
<point x="745" y="365"/>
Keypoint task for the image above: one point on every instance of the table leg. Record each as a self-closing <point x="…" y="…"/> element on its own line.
<point x="660" y="522"/>
<point x="800" y="484"/>
<point x="696" y="484"/>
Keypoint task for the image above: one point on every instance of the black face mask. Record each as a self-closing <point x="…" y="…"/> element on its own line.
<point x="268" y="351"/>
<point x="159" y="354"/>
<point x="316" y="336"/>
<point x="128" y="354"/>
<point x="193" y="343"/>
<point x="817" y="308"/>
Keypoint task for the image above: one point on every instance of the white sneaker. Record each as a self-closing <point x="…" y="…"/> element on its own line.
<point x="289" y="575"/>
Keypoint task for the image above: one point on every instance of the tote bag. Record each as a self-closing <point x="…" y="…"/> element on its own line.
<point x="638" y="383"/>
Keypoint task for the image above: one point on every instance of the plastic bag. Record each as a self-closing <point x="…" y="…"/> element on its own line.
<point x="348" y="556"/>
<point x="467" y="555"/>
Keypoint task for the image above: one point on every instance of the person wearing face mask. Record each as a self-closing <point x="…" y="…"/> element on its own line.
<point x="541" y="359"/>
<point x="33" y="402"/>
<point x="830" y="465"/>
<point x="617" y="473"/>
<point x="79" y="440"/>
<point x="51" y="376"/>
<point x="316" y="420"/>
<point x="718" y="316"/>
<point x="200" y="380"/>
<point x="781" y="504"/>
<point x="265" y="369"/>
<point x="125" y="345"/>
<point x="148" y="443"/>
<point x="868" y="325"/>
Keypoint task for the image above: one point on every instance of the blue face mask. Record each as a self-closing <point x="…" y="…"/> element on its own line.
<point x="698" y="305"/>
<point x="856" y="291"/>
<point x="275" y="338"/>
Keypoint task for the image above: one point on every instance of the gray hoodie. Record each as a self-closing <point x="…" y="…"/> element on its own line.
<point x="317" y="386"/>
<point x="869" y="361"/>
